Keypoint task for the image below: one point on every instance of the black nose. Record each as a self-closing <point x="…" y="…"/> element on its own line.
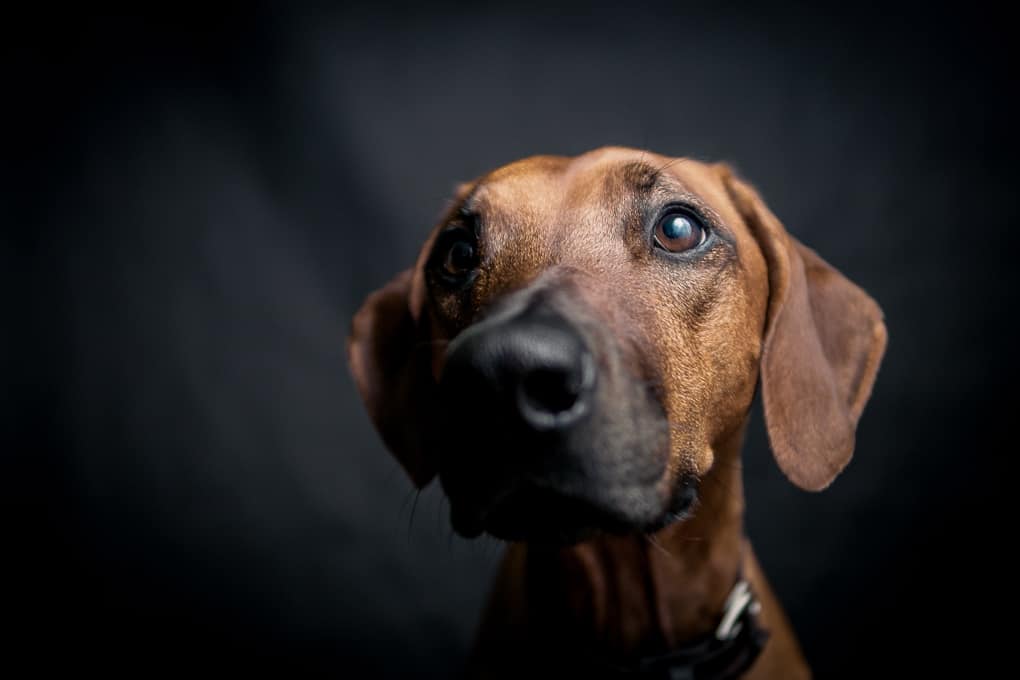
<point x="537" y="368"/>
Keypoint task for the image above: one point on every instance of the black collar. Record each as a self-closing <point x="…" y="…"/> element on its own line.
<point x="722" y="655"/>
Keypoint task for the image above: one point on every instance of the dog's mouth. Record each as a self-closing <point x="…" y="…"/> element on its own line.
<point x="536" y="514"/>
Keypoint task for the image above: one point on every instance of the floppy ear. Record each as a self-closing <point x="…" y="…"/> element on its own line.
<point x="389" y="358"/>
<point x="824" y="339"/>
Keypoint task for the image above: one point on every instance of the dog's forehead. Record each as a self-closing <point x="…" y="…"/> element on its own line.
<point x="578" y="211"/>
<point x="552" y="209"/>
<point x="543" y="191"/>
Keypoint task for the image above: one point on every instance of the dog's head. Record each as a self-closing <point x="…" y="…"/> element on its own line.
<point x="580" y="334"/>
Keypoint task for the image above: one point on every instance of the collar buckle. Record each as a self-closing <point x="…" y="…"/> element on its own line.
<point x="739" y="600"/>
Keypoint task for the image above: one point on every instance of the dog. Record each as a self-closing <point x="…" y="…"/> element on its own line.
<point x="574" y="355"/>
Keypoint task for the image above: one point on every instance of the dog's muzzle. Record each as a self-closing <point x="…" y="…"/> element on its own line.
<point x="533" y="446"/>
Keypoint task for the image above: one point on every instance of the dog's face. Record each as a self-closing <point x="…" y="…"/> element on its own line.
<point x="579" y="335"/>
<point x="598" y="312"/>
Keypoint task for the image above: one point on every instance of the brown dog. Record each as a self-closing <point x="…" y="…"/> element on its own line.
<point x="575" y="354"/>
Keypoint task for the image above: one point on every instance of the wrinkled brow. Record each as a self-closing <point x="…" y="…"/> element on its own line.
<point x="645" y="177"/>
<point x="639" y="175"/>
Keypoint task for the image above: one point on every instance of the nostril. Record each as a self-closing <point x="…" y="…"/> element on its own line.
<point x="553" y="397"/>
<point x="551" y="390"/>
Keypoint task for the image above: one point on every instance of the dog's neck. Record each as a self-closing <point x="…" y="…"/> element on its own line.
<point x="641" y="594"/>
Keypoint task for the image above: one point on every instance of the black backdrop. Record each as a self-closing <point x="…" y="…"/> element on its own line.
<point x="196" y="202"/>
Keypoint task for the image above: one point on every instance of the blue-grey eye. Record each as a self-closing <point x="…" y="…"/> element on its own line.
<point x="679" y="231"/>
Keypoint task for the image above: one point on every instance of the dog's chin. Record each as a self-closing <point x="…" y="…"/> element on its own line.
<point x="540" y="516"/>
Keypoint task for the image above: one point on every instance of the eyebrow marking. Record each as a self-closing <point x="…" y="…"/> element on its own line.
<point x="645" y="176"/>
<point x="464" y="211"/>
<point x="641" y="175"/>
<point x="467" y="204"/>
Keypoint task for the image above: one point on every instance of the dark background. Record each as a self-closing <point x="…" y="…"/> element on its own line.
<point x="195" y="202"/>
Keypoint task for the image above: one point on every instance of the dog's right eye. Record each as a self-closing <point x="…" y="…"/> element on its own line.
<point x="457" y="256"/>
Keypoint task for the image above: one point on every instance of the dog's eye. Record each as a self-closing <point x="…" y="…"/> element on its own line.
<point x="460" y="256"/>
<point x="679" y="231"/>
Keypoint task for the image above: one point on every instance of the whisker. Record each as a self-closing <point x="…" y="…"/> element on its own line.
<point x="658" y="546"/>
<point x="669" y="163"/>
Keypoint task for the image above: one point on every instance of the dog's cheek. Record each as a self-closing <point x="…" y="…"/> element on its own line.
<point x="686" y="372"/>
<point x="684" y="393"/>
<point x="734" y="349"/>
<point x="709" y="358"/>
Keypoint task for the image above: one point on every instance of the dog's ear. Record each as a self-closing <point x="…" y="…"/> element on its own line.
<point x="824" y="338"/>
<point x="388" y="355"/>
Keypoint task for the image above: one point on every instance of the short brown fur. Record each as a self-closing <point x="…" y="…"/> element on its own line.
<point x="759" y="307"/>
